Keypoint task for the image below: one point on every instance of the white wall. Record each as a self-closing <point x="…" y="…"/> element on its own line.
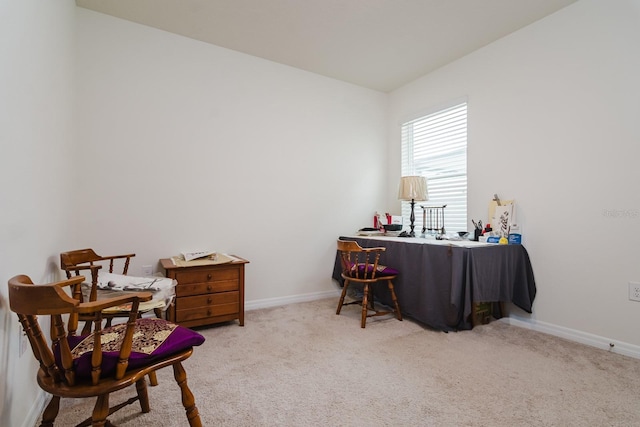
<point x="553" y="113"/>
<point x="36" y="137"/>
<point x="190" y="146"/>
<point x="175" y="145"/>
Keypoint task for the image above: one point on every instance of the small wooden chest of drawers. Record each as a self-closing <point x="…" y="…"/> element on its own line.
<point x="207" y="294"/>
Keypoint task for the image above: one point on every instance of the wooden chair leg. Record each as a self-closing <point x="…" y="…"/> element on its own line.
<point x="100" y="411"/>
<point x="395" y="300"/>
<point x="143" y="395"/>
<point x="342" y="295"/>
<point x="153" y="379"/>
<point x="50" y="412"/>
<point x="365" y="302"/>
<point x="188" y="401"/>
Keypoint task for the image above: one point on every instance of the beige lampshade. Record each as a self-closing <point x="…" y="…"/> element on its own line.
<point x="413" y="188"/>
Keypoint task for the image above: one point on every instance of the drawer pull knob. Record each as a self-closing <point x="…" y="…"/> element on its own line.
<point x="209" y="288"/>
<point x="209" y="276"/>
<point x="208" y="312"/>
<point x="208" y="300"/>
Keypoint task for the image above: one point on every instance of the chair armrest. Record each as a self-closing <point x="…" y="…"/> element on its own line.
<point x="71" y="282"/>
<point x="94" y="306"/>
<point x="82" y="267"/>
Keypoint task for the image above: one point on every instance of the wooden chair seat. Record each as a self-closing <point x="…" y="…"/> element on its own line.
<point x="106" y="360"/>
<point x="361" y="265"/>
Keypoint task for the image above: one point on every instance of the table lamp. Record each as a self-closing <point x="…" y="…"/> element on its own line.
<point x="413" y="188"/>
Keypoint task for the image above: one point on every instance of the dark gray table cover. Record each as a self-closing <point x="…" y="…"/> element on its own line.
<point x="438" y="283"/>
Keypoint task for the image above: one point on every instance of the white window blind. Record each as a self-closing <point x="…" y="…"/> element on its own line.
<point x="435" y="146"/>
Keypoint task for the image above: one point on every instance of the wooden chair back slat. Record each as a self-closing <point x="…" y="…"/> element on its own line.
<point x="59" y="338"/>
<point x="359" y="263"/>
<point x="39" y="347"/>
<point x="96" y="356"/>
<point x="125" y="350"/>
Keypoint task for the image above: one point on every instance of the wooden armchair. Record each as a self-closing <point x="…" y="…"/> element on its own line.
<point x="360" y="265"/>
<point x="77" y="261"/>
<point x="104" y="361"/>
<point x="86" y="259"/>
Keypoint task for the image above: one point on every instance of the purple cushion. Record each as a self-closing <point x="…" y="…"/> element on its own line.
<point x="153" y="339"/>
<point x="382" y="271"/>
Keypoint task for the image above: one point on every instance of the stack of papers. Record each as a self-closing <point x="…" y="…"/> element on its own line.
<point x="210" y="260"/>
<point x="189" y="256"/>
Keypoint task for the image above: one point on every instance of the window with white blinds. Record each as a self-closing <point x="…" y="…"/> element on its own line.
<point x="435" y="146"/>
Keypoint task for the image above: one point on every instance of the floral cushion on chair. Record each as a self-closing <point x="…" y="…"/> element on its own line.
<point x="153" y="339"/>
<point x="381" y="271"/>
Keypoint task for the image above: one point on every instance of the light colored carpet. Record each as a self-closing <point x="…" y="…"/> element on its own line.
<point x="301" y="365"/>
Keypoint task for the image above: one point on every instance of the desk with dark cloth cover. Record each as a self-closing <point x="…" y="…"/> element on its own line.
<point x="440" y="280"/>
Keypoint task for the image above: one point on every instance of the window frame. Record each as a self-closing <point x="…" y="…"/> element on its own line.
<point x="442" y="135"/>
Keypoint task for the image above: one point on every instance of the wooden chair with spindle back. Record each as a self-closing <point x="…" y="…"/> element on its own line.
<point x="361" y="265"/>
<point x="104" y="361"/>
<point x="77" y="261"/>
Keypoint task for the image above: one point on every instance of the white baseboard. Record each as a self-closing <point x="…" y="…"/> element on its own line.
<point x="597" y="341"/>
<point x="35" y="412"/>
<point x="278" y="301"/>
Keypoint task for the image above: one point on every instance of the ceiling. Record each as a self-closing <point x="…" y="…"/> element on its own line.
<point x="378" y="44"/>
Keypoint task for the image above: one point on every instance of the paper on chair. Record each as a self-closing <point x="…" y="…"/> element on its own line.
<point x="120" y="282"/>
<point x="162" y="288"/>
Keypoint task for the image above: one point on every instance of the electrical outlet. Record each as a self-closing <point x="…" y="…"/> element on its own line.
<point x="147" y="270"/>
<point x="634" y="291"/>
